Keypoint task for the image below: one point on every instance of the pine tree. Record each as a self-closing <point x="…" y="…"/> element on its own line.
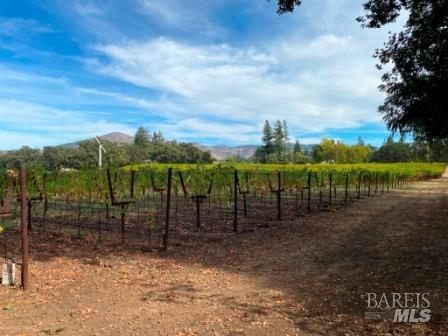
<point x="268" y="139"/>
<point x="141" y="146"/>
<point x="279" y="140"/>
<point x="360" y="141"/>
<point x="141" y="138"/>
<point x="285" y="132"/>
<point x="297" y="155"/>
<point x="297" y="148"/>
<point x="157" y="137"/>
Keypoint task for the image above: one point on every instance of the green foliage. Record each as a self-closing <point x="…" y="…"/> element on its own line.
<point x="416" y="56"/>
<point x="392" y="151"/>
<point x="416" y="101"/>
<point x="335" y="151"/>
<point x="275" y="144"/>
<point x="213" y="180"/>
<point x="141" y="146"/>
<point x="14" y="158"/>
<point x="141" y="138"/>
<point x="160" y="150"/>
<point x="85" y="156"/>
<point x="263" y="152"/>
<point x="285" y="6"/>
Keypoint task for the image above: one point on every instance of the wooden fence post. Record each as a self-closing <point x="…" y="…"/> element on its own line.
<point x="168" y="205"/>
<point x="331" y="184"/>
<point x="24" y="226"/>
<point x="279" y="195"/>
<point x="359" y="185"/>
<point x="368" y="190"/>
<point x="235" y="200"/>
<point x="387" y="182"/>
<point x="346" y="189"/>
<point x="309" y="192"/>
<point x="132" y="183"/>
<point x="376" y="183"/>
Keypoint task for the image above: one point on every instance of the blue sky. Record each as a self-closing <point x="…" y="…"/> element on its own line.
<point x="197" y="70"/>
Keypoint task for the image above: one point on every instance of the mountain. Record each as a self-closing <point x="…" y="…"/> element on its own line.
<point x="116" y="137"/>
<point x="221" y="152"/>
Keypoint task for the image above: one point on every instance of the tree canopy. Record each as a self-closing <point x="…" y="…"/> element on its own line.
<point x="418" y="60"/>
<point x="330" y="150"/>
<point x="85" y="154"/>
<point x="392" y="151"/>
<point x="275" y="146"/>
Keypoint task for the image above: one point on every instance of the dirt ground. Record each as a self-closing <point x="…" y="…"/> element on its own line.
<point x="302" y="277"/>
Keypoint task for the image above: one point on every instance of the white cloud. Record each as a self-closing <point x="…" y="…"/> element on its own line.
<point x="19" y="26"/>
<point x="245" y="86"/>
<point x="312" y="68"/>
<point x="37" y="125"/>
<point x="324" y="46"/>
<point x="164" y="10"/>
<point x="87" y="8"/>
<point x="188" y="16"/>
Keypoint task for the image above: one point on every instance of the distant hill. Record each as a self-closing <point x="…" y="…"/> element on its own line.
<point x="219" y="152"/>
<point x="116" y="137"/>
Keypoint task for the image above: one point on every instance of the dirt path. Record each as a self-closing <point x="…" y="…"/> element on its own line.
<point x="306" y="277"/>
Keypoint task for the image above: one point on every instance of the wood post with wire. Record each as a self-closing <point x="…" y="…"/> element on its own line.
<point x="346" y="189"/>
<point x="309" y="192"/>
<point x="235" y="200"/>
<point x="330" y="177"/>
<point x="168" y="205"/>
<point x="24" y="227"/>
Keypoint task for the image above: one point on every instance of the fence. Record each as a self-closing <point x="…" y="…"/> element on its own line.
<point x="154" y="208"/>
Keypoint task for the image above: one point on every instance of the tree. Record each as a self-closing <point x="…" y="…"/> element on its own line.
<point x="317" y="153"/>
<point x="392" y="151"/>
<point x="360" y="141"/>
<point x="287" y="5"/>
<point x="140" y="149"/>
<point x="206" y="157"/>
<point x="141" y="138"/>
<point x="297" y="147"/>
<point x="297" y="154"/>
<point x="438" y="151"/>
<point x="264" y="152"/>
<point x="275" y="144"/>
<point x="85" y="154"/>
<point x="285" y="132"/>
<point x="279" y="141"/>
<point x="13" y="159"/>
<point x="268" y="138"/>
<point x="337" y="151"/>
<point x="416" y="101"/>
<point x="420" y="150"/>
<point x="157" y="137"/>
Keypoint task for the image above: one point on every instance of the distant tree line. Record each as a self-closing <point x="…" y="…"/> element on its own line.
<point x="145" y="148"/>
<point x="277" y="147"/>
